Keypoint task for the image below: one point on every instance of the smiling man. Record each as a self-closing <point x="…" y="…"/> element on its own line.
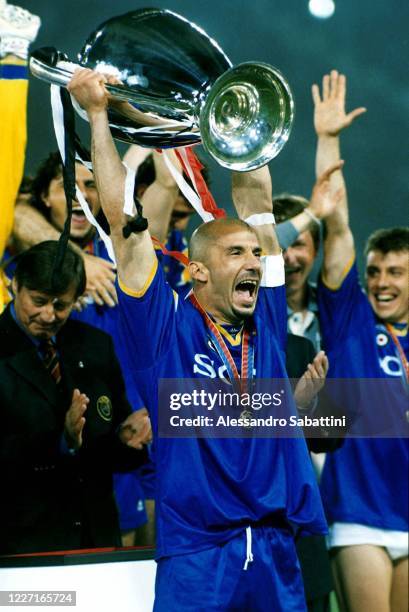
<point x="387" y="274"/>
<point x="365" y="483"/>
<point x="227" y="509"/>
<point x="44" y="217"/>
<point x="299" y="258"/>
<point x="50" y="198"/>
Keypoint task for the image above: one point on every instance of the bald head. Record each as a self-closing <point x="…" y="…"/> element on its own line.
<point x="209" y="233"/>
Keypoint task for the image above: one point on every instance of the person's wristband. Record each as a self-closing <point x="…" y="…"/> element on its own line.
<point x="273" y="271"/>
<point x="261" y="219"/>
<point x="312" y="216"/>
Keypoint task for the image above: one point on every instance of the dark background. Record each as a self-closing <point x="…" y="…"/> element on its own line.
<point x="368" y="40"/>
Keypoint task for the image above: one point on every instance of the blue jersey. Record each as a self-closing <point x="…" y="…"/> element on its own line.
<point x="366" y="480"/>
<point x="209" y="490"/>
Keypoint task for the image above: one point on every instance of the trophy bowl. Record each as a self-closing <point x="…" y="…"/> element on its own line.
<point x="174" y="86"/>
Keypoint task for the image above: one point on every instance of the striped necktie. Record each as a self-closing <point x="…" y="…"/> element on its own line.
<point x="50" y="359"/>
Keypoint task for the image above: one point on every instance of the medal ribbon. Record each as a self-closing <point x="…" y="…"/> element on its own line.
<point x="247" y="348"/>
<point x="193" y="167"/>
<point x="401" y="352"/>
<point x="181" y="257"/>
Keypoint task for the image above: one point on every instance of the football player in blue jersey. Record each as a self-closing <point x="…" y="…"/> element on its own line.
<point x="365" y="483"/>
<point x="227" y="509"/>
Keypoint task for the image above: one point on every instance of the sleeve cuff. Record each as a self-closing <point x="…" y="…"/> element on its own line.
<point x="273" y="271"/>
<point x="140" y="293"/>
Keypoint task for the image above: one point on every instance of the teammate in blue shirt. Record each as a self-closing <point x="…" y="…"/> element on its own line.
<point x="365" y="334"/>
<point x="227" y="509"/>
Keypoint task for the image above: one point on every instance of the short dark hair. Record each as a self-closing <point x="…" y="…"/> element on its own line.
<point x="386" y="240"/>
<point x="35" y="269"/>
<point x="286" y="206"/>
<point x="48" y="170"/>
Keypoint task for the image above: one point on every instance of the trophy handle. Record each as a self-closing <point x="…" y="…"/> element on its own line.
<point x="247" y="116"/>
<point x="52" y="66"/>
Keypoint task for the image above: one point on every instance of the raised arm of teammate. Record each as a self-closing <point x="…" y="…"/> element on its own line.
<point x="330" y="119"/>
<point x="159" y="197"/>
<point x="251" y="192"/>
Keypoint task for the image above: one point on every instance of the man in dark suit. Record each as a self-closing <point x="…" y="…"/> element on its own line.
<point x="65" y="422"/>
<point x="302" y="361"/>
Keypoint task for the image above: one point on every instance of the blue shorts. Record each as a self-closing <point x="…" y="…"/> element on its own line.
<point x="130" y="500"/>
<point x="215" y="579"/>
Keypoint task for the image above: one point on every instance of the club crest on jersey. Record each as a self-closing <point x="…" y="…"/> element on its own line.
<point x="104" y="408"/>
<point x="382" y="339"/>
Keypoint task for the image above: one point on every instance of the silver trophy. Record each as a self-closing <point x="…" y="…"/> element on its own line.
<point x="179" y="88"/>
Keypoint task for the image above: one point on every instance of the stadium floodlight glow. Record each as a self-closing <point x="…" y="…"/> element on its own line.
<point x="321" y="8"/>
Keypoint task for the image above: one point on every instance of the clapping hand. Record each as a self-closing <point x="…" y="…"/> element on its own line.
<point x="75" y="420"/>
<point x="136" y="430"/>
<point x="312" y="381"/>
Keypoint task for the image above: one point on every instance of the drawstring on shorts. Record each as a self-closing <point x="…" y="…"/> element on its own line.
<point x="249" y="554"/>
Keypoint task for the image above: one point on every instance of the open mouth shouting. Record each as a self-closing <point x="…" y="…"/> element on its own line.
<point x="79" y="223"/>
<point x="245" y="292"/>
<point x="78" y="215"/>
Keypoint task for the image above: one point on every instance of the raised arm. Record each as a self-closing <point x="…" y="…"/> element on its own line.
<point x="252" y="195"/>
<point x="160" y="196"/>
<point x="330" y="119"/>
<point x="135" y="255"/>
<point x="135" y="156"/>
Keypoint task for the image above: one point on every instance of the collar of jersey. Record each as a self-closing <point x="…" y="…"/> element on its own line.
<point x="233" y="340"/>
<point x="400" y="329"/>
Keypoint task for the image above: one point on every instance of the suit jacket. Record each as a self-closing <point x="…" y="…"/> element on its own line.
<point x="51" y="499"/>
<point x="300" y="352"/>
<point x="312" y="551"/>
